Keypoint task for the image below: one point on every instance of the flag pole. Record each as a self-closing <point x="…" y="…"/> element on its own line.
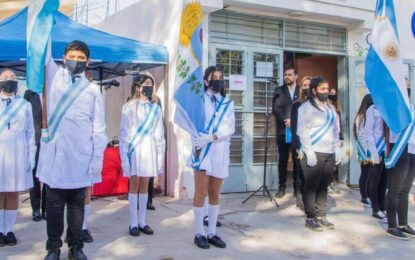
<point x="44" y="100"/>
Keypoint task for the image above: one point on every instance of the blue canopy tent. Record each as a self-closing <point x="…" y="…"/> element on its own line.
<point x="111" y="55"/>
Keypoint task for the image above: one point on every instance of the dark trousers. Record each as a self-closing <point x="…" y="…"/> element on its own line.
<point x="364" y="181"/>
<point x="399" y="184"/>
<point x="316" y="181"/>
<point x="298" y="179"/>
<point x="377" y="185"/>
<point x="283" y="154"/>
<point x="37" y="194"/>
<point x="55" y="208"/>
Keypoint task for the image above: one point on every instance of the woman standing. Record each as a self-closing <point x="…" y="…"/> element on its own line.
<point x="320" y="144"/>
<point x="17" y="153"/>
<point x="142" y="147"/>
<point x="211" y="157"/>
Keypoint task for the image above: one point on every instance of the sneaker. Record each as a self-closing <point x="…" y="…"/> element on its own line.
<point x="216" y="241"/>
<point x="2" y="239"/>
<point x="313" y="224"/>
<point x="379" y="215"/>
<point x="150" y="206"/>
<point x="76" y="253"/>
<point x="86" y="236"/>
<point x="396" y="233"/>
<point x="146" y="230"/>
<point x="206" y="222"/>
<point x="201" y="241"/>
<point x="280" y="193"/>
<point x="53" y="254"/>
<point x="407" y="230"/>
<point x="366" y="203"/>
<point x="36" y="216"/>
<point x="11" y="239"/>
<point x="325" y="223"/>
<point x="134" y="231"/>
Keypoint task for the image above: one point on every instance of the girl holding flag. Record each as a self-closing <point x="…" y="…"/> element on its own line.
<point x="211" y="157"/>
<point x="142" y="147"/>
<point x="318" y="130"/>
<point x="17" y="153"/>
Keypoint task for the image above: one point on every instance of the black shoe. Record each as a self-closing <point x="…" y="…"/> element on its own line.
<point x="313" y="224"/>
<point x="86" y="236"/>
<point x="201" y="241"/>
<point x="216" y="241"/>
<point x="206" y="222"/>
<point x="75" y="253"/>
<point x="150" y="206"/>
<point x="396" y="233"/>
<point x="2" y="239"/>
<point x="407" y="230"/>
<point x="280" y="193"/>
<point x="11" y="239"/>
<point x="53" y="254"/>
<point x="325" y="223"/>
<point x="134" y="231"/>
<point x="146" y="230"/>
<point x="378" y="215"/>
<point x="36" y="216"/>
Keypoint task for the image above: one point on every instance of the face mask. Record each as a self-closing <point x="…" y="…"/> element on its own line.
<point x="333" y="97"/>
<point x="147" y="91"/>
<point x="216" y="85"/>
<point x="305" y="92"/>
<point x="75" y="67"/>
<point x="323" y="97"/>
<point x="9" y="86"/>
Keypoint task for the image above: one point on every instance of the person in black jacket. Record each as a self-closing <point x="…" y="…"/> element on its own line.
<point x="296" y="144"/>
<point x="37" y="194"/>
<point x="282" y="101"/>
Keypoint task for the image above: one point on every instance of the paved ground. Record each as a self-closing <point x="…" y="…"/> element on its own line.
<point x="256" y="230"/>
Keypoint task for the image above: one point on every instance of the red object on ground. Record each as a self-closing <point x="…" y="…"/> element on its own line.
<point x="113" y="182"/>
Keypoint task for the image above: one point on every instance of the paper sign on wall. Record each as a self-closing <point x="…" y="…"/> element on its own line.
<point x="264" y="69"/>
<point x="237" y="82"/>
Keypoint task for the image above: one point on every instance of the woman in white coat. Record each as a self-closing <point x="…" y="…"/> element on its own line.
<point x="142" y="147"/>
<point x="17" y="153"/>
<point x="212" y="156"/>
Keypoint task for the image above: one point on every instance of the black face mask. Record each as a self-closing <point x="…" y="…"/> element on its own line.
<point x="333" y="97"/>
<point x="147" y="91"/>
<point x="305" y="92"/>
<point x="9" y="86"/>
<point x="75" y="67"/>
<point x="323" y="97"/>
<point x="216" y="85"/>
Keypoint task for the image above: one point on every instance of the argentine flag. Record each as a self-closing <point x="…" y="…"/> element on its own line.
<point x="39" y="27"/>
<point x="384" y="73"/>
<point x="190" y="114"/>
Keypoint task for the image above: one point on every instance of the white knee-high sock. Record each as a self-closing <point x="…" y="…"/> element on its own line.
<point x="206" y="207"/>
<point x="2" y="217"/>
<point x="9" y="220"/>
<point x="87" y="208"/>
<point x="142" y="204"/>
<point x="198" y="215"/>
<point x="213" y="218"/>
<point x="132" y="203"/>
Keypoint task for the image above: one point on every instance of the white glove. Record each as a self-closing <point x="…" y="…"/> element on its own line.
<point x="338" y="156"/>
<point x="311" y="159"/>
<point x="202" y="140"/>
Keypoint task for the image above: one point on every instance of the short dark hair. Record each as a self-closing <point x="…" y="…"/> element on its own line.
<point x="291" y="68"/>
<point x="77" y="46"/>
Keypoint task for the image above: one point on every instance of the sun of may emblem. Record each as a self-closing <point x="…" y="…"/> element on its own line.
<point x="391" y="51"/>
<point x="191" y="18"/>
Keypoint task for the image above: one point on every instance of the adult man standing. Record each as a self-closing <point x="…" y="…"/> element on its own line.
<point x="282" y="101"/>
<point x="71" y="155"/>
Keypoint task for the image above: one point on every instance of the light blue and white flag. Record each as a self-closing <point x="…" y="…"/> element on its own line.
<point x="40" y="21"/>
<point x="190" y="114"/>
<point x="384" y="73"/>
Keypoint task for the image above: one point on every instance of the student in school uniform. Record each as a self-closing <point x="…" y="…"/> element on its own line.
<point x="211" y="156"/>
<point x="319" y="136"/>
<point x="142" y="147"/>
<point x="72" y="150"/>
<point x="371" y="138"/>
<point x="17" y="153"/>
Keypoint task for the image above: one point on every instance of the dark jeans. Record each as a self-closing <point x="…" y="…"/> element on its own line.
<point x="399" y="184"/>
<point x="37" y="195"/>
<point x="364" y="181"/>
<point x="298" y="178"/>
<point x="283" y="154"/>
<point x="316" y="181"/>
<point x="55" y="208"/>
<point x="377" y="186"/>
